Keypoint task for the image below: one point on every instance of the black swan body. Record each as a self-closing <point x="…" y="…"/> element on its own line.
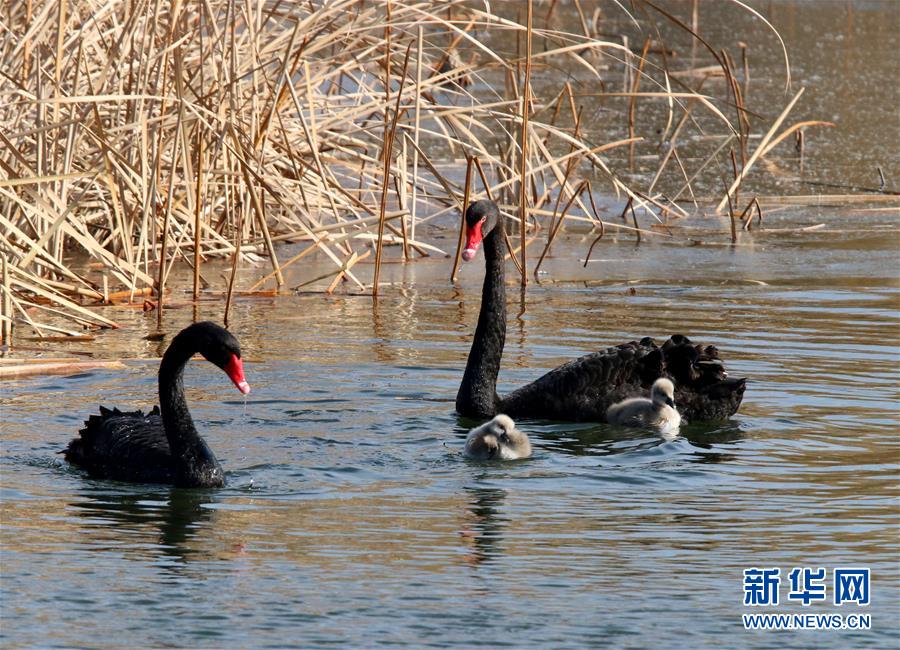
<point x="583" y="389"/>
<point x="161" y="446"/>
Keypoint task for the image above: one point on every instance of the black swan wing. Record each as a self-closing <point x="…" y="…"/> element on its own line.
<point x="582" y="389"/>
<point x="124" y="446"/>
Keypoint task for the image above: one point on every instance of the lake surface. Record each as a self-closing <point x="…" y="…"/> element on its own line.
<point x="351" y="519"/>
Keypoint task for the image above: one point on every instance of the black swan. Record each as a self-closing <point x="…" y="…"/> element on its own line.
<point x="583" y="389"/>
<point x="657" y="412"/>
<point x="162" y="446"/>
<point x="497" y="440"/>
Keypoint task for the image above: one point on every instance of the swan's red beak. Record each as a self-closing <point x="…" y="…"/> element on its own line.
<point x="235" y="371"/>
<point x="473" y="241"/>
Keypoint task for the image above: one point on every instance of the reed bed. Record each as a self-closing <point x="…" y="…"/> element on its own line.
<point x="139" y="135"/>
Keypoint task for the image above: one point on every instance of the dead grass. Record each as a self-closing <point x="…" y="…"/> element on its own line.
<point x="144" y="134"/>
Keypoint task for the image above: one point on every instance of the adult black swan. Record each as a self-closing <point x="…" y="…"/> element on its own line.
<point x="583" y="389"/>
<point x="162" y="446"/>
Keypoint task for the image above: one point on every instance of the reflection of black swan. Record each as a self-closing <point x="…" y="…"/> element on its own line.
<point x="162" y="446"/>
<point x="582" y="389"/>
<point x="178" y="516"/>
<point x="488" y="522"/>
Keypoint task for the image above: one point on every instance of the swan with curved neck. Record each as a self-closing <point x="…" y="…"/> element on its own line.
<point x="162" y="446"/>
<point x="583" y="389"/>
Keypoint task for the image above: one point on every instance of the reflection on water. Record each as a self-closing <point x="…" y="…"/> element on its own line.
<point x="843" y="53"/>
<point x="166" y="519"/>
<point x="703" y="441"/>
<point x="484" y="524"/>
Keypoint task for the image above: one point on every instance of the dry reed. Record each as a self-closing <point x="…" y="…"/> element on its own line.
<point x="137" y="135"/>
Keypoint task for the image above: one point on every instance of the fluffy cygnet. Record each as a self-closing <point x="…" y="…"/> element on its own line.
<point x="497" y="440"/>
<point x="658" y="412"/>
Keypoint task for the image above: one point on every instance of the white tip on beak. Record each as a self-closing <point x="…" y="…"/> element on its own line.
<point x="468" y="254"/>
<point x="244" y="387"/>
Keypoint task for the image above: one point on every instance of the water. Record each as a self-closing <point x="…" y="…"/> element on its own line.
<point x="843" y="54"/>
<point x="351" y="519"/>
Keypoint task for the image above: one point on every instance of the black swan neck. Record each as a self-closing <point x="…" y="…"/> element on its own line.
<point x="194" y="461"/>
<point x="477" y="395"/>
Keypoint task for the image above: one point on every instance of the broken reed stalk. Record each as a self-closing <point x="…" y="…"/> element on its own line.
<point x="637" y="228"/>
<point x="400" y="187"/>
<point x="624" y="216"/>
<point x="198" y="207"/>
<point x="594" y="211"/>
<point x="741" y="114"/>
<point x="587" y="257"/>
<point x="632" y="105"/>
<point x="490" y="195"/>
<point x="483" y="177"/>
<point x="760" y="150"/>
<point x="462" y="219"/>
<point x="340" y="277"/>
<point x="759" y="216"/>
<point x="161" y="281"/>
<point x="555" y="227"/>
<point x="730" y="212"/>
<point x="523" y="172"/>
<point x="749" y="214"/>
<point x="352" y="260"/>
<point x="742" y="215"/>
<point x="387" y="72"/>
<point x="417" y="119"/>
<point x="388" y="148"/>
<point x="734" y="171"/>
<point x="259" y="212"/>
<point x="234" y="265"/>
<point x="385" y="149"/>
<point x="6" y="314"/>
<point x="745" y="64"/>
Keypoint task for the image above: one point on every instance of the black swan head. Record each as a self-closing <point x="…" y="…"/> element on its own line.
<point x="218" y="346"/>
<point x="481" y="219"/>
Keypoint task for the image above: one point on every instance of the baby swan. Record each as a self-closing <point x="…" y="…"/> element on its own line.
<point x="657" y="412"/>
<point x="497" y="440"/>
